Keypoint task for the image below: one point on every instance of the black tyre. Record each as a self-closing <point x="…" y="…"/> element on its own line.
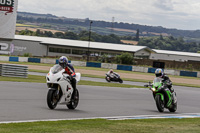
<point x="108" y="80"/>
<point x="173" y="108"/>
<point x="120" y="81"/>
<point x="74" y="100"/>
<point x="52" y="99"/>
<point x="159" y="103"/>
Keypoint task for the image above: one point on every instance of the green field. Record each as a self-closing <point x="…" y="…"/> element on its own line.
<point x="106" y="126"/>
<point x="25" y="25"/>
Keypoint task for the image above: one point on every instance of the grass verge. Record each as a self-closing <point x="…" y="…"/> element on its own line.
<point x="41" y="79"/>
<point x="190" y="125"/>
<point x="31" y="78"/>
<point x="92" y="83"/>
<point x="125" y="79"/>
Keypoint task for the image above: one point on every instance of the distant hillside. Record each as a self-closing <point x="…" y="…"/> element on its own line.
<point x="102" y="27"/>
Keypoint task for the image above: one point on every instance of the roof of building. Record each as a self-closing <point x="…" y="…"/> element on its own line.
<point x="83" y="44"/>
<point x="176" y="53"/>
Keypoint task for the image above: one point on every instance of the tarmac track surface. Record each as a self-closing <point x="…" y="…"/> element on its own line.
<point x="27" y="101"/>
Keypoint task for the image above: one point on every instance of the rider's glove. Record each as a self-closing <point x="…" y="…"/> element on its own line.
<point x="168" y="83"/>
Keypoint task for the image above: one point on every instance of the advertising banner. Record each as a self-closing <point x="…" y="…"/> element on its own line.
<point x="8" y="16"/>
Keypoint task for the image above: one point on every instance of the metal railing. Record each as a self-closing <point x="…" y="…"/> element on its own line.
<point x="9" y="70"/>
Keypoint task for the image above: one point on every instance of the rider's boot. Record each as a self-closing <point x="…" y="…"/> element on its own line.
<point x="73" y="83"/>
<point x="174" y="97"/>
<point x="173" y="94"/>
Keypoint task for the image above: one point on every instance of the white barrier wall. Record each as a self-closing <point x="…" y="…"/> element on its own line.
<point x="23" y="59"/>
<point x="198" y="74"/>
<point x="48" y="61"/>
<point x="108" y="66"/>
<point x="78" y="63"/>
<point x="140" y="69"/>
<point x="177" y="72"/>
<point x="169" y="72"/>
<point x="4" y="58"/>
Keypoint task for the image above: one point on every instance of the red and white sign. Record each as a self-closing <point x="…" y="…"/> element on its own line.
<point x="8" y="15"/>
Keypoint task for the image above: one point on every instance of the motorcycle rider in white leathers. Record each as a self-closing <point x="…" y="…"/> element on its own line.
<point x="111" y="73"/>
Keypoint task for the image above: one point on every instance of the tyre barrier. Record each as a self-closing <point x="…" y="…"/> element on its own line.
<point x="123" y="67"/>
<point x="93" y="64"/>
<point x="16" y="59"/>
<point x="188" y="73"/>
<point x="34" y="60"/>
<point x="151" y="70"/>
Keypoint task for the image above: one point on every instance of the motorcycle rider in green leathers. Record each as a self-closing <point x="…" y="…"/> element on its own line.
<point x="159" y="73"/>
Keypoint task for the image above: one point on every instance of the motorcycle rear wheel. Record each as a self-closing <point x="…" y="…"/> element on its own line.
<point x="52" y="99"/>
<point x="120" y="81"/>
<point x="74" y="100"/>
<point x="159" y="103"/>
<point x="174" y="107"/>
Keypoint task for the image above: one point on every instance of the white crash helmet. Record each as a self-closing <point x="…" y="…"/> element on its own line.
<point x="63" y="61"/>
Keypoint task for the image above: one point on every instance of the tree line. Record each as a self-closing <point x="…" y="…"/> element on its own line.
<point x="35" y="18"/>
<point x="169" y="43"/>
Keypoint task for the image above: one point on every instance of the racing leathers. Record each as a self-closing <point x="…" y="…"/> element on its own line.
<point x="167" y="82"/>
<point x="69" y="69"/>
<point x="111" y="74"/>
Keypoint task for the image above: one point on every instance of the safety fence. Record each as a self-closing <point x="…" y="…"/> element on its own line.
<point x="102" y="65"/>
<point x="9" y="70"/>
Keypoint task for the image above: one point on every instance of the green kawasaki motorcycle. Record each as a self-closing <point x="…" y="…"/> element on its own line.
<point x="162" y="95"/>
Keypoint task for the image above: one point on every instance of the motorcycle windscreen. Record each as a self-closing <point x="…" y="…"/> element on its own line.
<point x="157" y="82"/>
<point x="56" y="68"/>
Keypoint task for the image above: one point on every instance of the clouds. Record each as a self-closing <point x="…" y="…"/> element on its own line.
<point x="166" y="13"/>
<point x="166" y="5"/>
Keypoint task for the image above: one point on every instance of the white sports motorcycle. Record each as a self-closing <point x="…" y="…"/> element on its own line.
<point x="60" y="88"/>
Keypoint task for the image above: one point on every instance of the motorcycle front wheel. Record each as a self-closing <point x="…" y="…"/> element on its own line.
<point x="159" y="103"/>
<point x="74" y="100"/>
<point x="52" y="99"/>
<point x="120" y="81"/>
<point x="174" y="107"/>
<point x="108" y="80"/>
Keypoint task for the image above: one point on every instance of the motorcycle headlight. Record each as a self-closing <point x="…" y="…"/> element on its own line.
<point x="153" y="89"/>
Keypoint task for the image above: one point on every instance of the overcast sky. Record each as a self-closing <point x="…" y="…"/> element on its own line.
<point x="180" y="14"/>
